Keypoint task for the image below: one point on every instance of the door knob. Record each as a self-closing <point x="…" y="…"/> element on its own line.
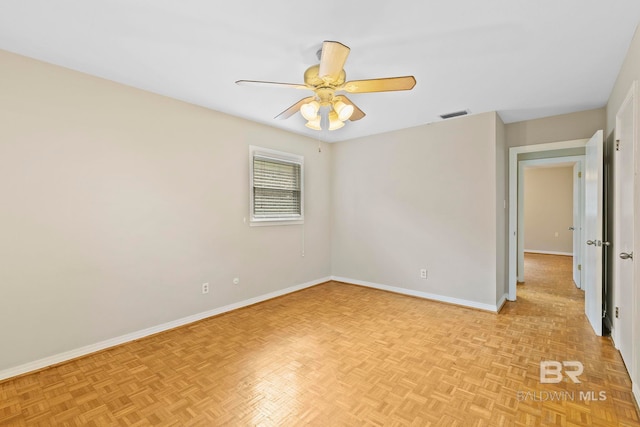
<point x="571" y="228"/>
<point x="606" y="243"/>
<point x="624" y="255"/>
<point x="590" y="242"/>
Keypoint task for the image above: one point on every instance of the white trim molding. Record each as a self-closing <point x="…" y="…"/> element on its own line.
<point x="420" y="294"/>
<point x="103" y="345"/>
<point x="636" y="394"/>
<point x="501" y="302"/>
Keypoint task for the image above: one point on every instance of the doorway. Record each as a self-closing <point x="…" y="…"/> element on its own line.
<point x="550" y="210"/>
<point x="517" y="154"/>
<point x="592" y="251"/>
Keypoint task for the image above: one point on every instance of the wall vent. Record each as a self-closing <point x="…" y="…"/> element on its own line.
<point x="454" y="114"/>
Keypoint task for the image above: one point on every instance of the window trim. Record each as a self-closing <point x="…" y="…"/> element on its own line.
<point x="280" y="156"/>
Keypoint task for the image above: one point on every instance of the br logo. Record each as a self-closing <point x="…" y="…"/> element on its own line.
<point x="551" y="371"/>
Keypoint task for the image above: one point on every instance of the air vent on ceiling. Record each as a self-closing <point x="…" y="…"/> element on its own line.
<point x="454" y="114"/>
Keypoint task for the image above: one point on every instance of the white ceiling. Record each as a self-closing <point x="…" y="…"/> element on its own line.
<point x="523" y="58"/>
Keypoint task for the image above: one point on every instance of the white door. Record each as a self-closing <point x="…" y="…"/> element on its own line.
<point x="577" y="224"/>
<point x="623" y="244"/>
<point x="592" y="237"/>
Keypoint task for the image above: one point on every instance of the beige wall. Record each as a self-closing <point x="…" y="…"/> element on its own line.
<point x="629" y="73"/>
<point x="548" y="208"/>
<point x="417" y="198"/>
<point x="565" y="127"/>
<point x="118" y="204"/>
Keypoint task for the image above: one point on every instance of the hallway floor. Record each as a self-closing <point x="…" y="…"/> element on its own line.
<point x="550" y="299"/>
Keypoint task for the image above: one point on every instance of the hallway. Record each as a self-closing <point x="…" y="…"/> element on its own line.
<point x="548" y="281"/>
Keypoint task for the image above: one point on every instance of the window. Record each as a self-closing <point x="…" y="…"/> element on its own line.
<point x="276" y="180"/>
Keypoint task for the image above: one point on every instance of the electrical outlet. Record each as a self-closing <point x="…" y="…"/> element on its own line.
<point x="557" y="234"/>
<point x="423" y="273"/>
<point x="205" y="288"/>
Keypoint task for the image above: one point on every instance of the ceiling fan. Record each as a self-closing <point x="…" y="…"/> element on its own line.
<point x="326" y="80"/>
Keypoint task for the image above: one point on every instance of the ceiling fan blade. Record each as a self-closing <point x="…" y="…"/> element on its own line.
<point x="294" y="108"/>
<point x="334" y="55"/>
<point x="380" y="85"/>
<point x="261" y="83"/>
<point x="357" y="113"/>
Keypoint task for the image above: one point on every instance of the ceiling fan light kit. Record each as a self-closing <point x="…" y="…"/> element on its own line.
<point x="314" y="123"/>
<point x="344" y="111"/>
<point x="325" y="80"/>
<point x="334" y="121"/>
<point x="340" y="112"/>
<point x="310" y="110"/>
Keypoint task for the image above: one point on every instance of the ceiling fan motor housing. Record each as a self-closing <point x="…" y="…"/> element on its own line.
<point x="312" y="78"/>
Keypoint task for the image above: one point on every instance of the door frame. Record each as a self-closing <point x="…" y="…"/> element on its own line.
<point x="576" y="199"/>
<point x="578" y="219"/>
<point x="513" y="199"/>
<point x="634" y="369"/>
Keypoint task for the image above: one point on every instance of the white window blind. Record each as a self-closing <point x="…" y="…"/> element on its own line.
<point x="276" y="193"/>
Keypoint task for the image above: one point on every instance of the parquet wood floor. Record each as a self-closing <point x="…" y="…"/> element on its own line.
<point x="338" y="354"/>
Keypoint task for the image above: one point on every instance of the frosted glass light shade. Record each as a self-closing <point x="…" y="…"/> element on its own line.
<point x="344" y="111"/>
<point x="334" y="121"/>
<point x="310" y="110"/>
<point x="314" y="123"/>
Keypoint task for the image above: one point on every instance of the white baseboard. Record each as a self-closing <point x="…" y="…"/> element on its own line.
<point x="420" y="294"/>
<point x="636" y="393"/>
<point x="501" y="302"/>
<point x="535" y="251"/>
<point x="92" y="348"/>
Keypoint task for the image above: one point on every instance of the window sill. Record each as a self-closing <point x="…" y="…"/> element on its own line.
<point x="272" y="222"/>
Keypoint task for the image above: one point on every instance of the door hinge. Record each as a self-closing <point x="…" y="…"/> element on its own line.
<point x="579" y="174"/>
<point x="617" y="312"/>
<point x="579" y="266"/>
<point x="617" y="145"/>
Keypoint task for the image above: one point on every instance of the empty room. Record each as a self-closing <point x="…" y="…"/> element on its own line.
<point x="332" y="214"/>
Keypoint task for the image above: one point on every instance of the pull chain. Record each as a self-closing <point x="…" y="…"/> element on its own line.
<point x="324" y="127"/>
